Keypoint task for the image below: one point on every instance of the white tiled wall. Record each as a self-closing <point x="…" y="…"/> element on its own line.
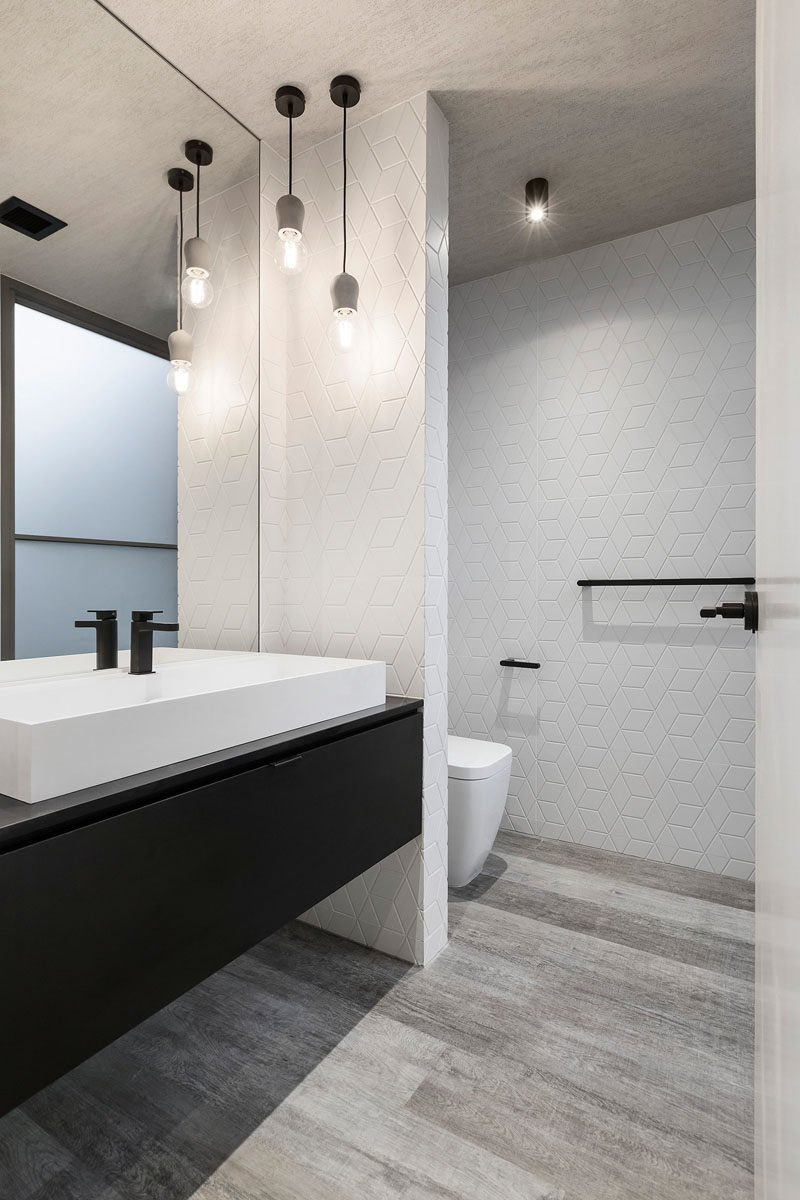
<point x="434" y="835"/>
<point x="218" y="437"/>
<point x="274" y="380"/>
<point x="354" y="478"/>
<point x="601" y="424"/>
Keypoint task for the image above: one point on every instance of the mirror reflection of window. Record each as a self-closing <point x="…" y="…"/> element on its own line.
<point x="95" y="483"/>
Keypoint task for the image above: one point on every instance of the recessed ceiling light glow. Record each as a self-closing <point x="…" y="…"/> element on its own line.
<point x="537" y="200"/>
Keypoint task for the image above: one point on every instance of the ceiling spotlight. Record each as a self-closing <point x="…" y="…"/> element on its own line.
<point x="537" y="199"/>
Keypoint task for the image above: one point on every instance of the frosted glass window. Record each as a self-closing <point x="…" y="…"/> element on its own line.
<point x="96" y="435"/>
<point x="56" y="582"/>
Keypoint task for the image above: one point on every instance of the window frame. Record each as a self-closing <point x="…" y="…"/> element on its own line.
<point x="12" y="293"/>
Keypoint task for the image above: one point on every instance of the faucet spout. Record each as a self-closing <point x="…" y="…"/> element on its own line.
<point x="142" y="629"/>
<point x="106" y="629"/>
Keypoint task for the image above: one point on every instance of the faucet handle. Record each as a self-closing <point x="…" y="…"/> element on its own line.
<point x="145" y="614"/>
<point x="102" y="614"/>
<point x="105" y="627"/>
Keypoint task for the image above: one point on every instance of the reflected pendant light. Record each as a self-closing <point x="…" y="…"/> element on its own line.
<point x="537" y="199"/>
<point x="291" y="253"/>
<point x="196" y="288"/>
<point x="180" y="342"/>
<point x="346" y="93"/>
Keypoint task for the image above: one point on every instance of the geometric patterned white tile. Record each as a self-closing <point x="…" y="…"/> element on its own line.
<point x="273" y="414"/>
<point x="434" y="835"/>
<point x="354" y="467"/>
<point x="601" y="422"/>
<point x="218" y="437"/>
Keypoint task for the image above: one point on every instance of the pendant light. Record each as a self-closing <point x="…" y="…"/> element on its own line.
<point x="537" y="199"/>
<point x="342" y="331"/>
<point x="291" y="252"/>
<point x="196" y="288"/>
<point x="180" y="342"/>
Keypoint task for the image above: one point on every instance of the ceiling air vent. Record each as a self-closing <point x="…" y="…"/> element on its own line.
<point x="26" y="218"/>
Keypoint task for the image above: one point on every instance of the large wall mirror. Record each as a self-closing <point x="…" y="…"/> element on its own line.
<point x="93" y="119"/>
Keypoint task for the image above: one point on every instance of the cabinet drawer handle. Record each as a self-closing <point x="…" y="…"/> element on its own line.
<point x="284" y="762"/>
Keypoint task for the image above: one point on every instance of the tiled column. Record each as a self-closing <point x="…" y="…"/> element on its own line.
<point x="361" y="526"/>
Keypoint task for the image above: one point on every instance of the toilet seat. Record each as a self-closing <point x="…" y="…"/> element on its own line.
<point x="468" y="758"/>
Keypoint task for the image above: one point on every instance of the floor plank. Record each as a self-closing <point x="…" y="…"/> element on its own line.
<point x="664" y="877"/>
<point x="596" y="1145"/>
<point x="586" y="1035"/>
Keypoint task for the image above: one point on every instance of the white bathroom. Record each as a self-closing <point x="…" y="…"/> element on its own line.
<point x="398" y="601"/>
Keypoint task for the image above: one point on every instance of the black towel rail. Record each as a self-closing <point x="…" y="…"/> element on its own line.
<point x="516" y="662"/>
<point x="745" y="580"/>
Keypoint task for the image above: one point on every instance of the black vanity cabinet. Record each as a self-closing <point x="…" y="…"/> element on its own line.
<point x="108" y="914"/>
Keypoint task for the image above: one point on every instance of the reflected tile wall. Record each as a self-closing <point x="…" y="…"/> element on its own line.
<point x="218" y="437"/>
<point x="602" y="424"/>
<point x="274" y="465"/>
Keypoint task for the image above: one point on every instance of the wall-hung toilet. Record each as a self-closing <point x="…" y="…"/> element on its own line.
<point x="478" y="777"/>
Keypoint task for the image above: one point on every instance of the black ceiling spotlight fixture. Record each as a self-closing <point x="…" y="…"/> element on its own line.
<point x="291" y="252"/>
<point x="537" y="200"/>
<point x="346" y="93"/>
<point x="26" y="218"/>
<point x="180" y="342"/>
<point x="196" y="287"/>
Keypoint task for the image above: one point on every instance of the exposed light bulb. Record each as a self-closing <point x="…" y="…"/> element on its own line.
<point x="343" y="330"/>
<point x="179" y="379"/>
<point x="536" y="213"/>
<point x="196" y="287"/>
<point x="291" y="252"/>
<point x="180" y="376"/>
<point x="197" y="290"/>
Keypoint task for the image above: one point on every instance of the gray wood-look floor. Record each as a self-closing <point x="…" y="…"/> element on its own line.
<point x="587" y="1034"/>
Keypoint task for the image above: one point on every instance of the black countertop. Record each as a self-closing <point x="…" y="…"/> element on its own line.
<point x="22" y="823"/>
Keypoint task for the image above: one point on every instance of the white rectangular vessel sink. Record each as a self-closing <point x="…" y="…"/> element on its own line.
<point x="73" y="728"/>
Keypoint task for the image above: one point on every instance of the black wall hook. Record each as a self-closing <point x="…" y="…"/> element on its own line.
<point x="737" y="612"/>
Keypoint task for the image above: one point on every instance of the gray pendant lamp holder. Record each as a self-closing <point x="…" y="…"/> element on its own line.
<point x="180" y="346"/>
<point x="344" y="292"/>
<point x="345" y="93"/>
<point x="290" y="211"/>
<point x="197" y="251"/>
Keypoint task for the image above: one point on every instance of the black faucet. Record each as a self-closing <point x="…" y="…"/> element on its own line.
<point x="142" y="629"/>
<point x="106" y="629"/>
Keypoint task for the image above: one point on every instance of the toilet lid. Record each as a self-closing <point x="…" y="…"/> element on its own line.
<point x="469" y="758"/>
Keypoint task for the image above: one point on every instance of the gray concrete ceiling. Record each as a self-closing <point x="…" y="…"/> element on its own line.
<point x="90" y="121"/>
<point x="640" y="112"/>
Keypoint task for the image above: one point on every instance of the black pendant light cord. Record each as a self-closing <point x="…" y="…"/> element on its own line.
<point x="180" y="259"/>
<point x="197" y="210"/>
<point x="290" y="153"/>
<point x="344" y="188"/>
